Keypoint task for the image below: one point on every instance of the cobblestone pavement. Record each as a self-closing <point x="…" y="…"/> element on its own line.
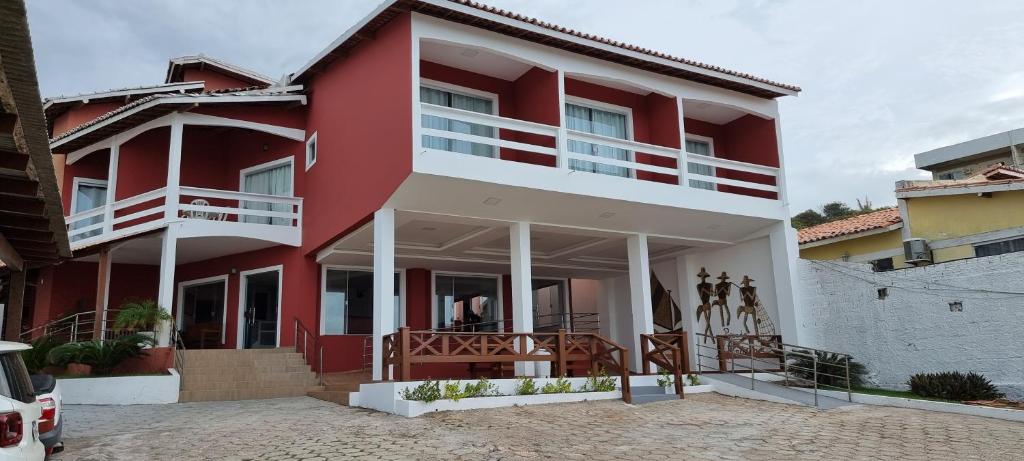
<point x="705" y="426"/>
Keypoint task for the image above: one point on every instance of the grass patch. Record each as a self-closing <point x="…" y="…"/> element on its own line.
<point x="898" y="394"/>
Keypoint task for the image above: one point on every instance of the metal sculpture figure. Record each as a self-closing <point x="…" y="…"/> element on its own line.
<point x="722" y="291"/>
<point x="748" y="309"/>
<point x="705" y="290"/>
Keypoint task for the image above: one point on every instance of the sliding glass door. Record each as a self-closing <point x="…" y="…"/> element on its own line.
<point x="467" y="303"/>
<point x="457" y="101"/>
<point x="601" y="122"/>
<point x="348" y="302"/>
<point x="272" y="179"/>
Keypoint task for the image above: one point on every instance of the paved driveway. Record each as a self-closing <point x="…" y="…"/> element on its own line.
<point x="706" y="426"/>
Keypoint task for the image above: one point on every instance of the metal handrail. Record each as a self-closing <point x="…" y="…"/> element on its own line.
<point x="781" y="354"/>
<point x="317" y="347"/>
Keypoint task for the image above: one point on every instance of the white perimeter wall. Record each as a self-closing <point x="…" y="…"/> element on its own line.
<point x="913" y="330"/>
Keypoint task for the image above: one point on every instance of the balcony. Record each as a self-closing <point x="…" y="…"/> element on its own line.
<point x="200" y="211"/>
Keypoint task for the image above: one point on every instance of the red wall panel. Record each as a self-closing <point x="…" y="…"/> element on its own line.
<point x="81" y="114"/>
<point x="213" y="80"/>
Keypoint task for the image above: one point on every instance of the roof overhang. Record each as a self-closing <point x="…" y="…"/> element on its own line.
<point x="500" y="21"/>
<point x="1005" y="185"/>
<point x="150" y="109"/>
<point x="176" y="68"/>
<point x="851" y="236"/>
<point x="967" y="150"/>
<point x="53" y="107"/>
<point x="32" y="230"/>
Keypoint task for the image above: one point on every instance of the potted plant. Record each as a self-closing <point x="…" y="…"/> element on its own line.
<point x="69" y="356"/>
<point x="100" y="357"/>
<point x="141" y="316"/>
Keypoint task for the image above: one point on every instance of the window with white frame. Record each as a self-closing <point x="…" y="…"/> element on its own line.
<point x="457" y="100"/>
<point x="998" y="248"/>
<point x="601" y="122"/>
<point x="88" y="194"/>
<point x="311" y="151"/>
<point x="272" y="178"/>
<point x="348" y="302"/>
<point x="700" y="146"/>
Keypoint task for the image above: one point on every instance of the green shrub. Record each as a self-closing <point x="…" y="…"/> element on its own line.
<point x="140" y="315"/>
<point x="481" y="388"/>
<point x="526" y="386"/>
<point x="36" y="358"/>
<point x="103" y="356"/>
<point x="428" y="391"/>
<point x="665" y="380"/>
<point x="452" y="391"/>
<point x="831" y="369"/>
<point x="599" y="383"/>
<point x="559" y="386"/>
<point x="953" y="385"/>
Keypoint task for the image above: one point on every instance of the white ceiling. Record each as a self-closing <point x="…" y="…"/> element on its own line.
<point x="483" y="247"/>
<point x="146" y="250"/>
<point x="709" y="112"/>
<point x="473" y="59"/>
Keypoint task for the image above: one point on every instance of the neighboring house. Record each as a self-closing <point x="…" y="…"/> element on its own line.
<point x="966" y="159"/>
<point x="935" y="221"/>
<point x="439" y="164"/>
<point x="32" y="233"/>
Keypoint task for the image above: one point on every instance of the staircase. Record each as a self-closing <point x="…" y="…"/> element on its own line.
<point x="648" y="394"/>
<point x="337" y="386"/>
<point x="243" y="374"/>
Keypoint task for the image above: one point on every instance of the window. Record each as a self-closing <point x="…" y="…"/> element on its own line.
<point x="89" y="194"/>
<point x="700" y="147"/>
<point x="467" y="302"/>
<point x="348" y="302"/>
<point x="998" y="248"/>
<point x="600" y="122"/>
<point x="882" y="265"/>
<point x="455" y="100"/>
<point x="273" y="178"/>
<point x="311" y="151"/>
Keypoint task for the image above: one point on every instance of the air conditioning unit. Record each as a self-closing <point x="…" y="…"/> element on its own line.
<point x="917" y="251"/>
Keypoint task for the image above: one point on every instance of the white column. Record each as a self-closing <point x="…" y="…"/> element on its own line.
<point x="165" y="293"/>
<point x="383" y="284"/>
<point x="783" y="244"/>
<point x="108" y="212"/>
<point x="103" y="290"/>
<point x="173" y="194"/>
<point x="683" y="168"/>
<point x="522" y="287"/>
<point x="563" y="143"/>
<point x="686" y="273"/>
<point x="639" y="293"/>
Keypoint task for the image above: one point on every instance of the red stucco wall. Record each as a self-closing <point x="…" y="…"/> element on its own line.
<point x="81" y="114"/>
<point x="212" y="79"/>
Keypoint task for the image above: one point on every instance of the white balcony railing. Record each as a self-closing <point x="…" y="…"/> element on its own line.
<point x="542" y="137"/>
<point x="257" y="214"/>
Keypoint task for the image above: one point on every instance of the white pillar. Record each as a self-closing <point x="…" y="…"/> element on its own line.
<point x="165" y="293"/>
<point x="563" y="142"/>
<point x="639" y="293"/>
<point x="783" y="244"/>
<point x="173" y="192"/>
<point x="683" y="166"/>
<point x="383" y="284"/>
<point x="108" y="212"/>
<point x="522" y="287"/>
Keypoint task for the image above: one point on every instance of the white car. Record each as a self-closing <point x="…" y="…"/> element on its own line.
<point x="51" y="425"/>
<point x="19" y="410"/>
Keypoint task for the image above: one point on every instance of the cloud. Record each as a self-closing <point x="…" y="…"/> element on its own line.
<point x="883" y="80"/>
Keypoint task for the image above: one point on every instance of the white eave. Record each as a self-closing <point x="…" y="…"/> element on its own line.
<point x="978" y="188"/>
<point x="180" y="87"/>
<point x="968" y="149"/>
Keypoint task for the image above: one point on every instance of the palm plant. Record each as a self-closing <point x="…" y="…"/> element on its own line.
<point x="140" y="315"/>
<point x="102" y="356"/>
<point x="831" y="369"/>
<point x="36" y="357"/>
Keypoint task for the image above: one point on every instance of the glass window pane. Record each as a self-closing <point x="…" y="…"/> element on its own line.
<point x="348" y="302"/>
<point x="601" y="122"/>
<point x="700" y="148"/>
<point x="89" y="197"/>
<point x="271" y="181"/>
<point x="457" y="101"/>
<point x="468" y="303"/>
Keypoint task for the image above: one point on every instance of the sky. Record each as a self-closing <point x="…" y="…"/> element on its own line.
<point x="882" y="80"/>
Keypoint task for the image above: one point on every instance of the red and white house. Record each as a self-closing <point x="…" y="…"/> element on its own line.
<point x="441" y="163"/>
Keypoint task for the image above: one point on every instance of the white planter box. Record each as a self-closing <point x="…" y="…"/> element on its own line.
<point x="413" y="408"/>
<point x="121" y="390"/>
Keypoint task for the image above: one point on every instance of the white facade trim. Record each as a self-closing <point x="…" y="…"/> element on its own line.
<point x="960" y="190"/>
<point x="976" y="239"/>
<point x="90" y="97"/>
<point x="204" y="281"/>
<point x="242" y="285"/>
<point x="78" y="181"/>
<point x="312" y="151"/>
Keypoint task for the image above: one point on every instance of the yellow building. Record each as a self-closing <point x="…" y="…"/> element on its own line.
<point x="935" y="221"/>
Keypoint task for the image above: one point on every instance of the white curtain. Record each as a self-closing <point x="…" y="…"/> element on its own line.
<point x="457" y="101"/>
<point x="88" y="197"/>
<point x="271" y="181"/>
<point x="700" y="148"/>
<point x="600" y="122"/>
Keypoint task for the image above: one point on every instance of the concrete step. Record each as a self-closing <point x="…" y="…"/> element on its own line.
<point x="231" y="374"/>
<point x="648" y="398"/>
<point x="243" y="394"/>
<point x="339" y="397"/>
<point x="647" y="390"/>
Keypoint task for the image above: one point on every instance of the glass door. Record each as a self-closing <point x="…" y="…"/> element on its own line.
<point x="601" y="122"/>
<point x="260" y="309"/>
<point x="202" y="314"/>
<point x="549" y="310"/>
<point x="273" y="179"/>
<point x="467" y="303"/>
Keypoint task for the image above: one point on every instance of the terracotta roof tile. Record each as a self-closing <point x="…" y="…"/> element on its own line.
<point x="869" y="221"/>
<point x="995" y="174"/>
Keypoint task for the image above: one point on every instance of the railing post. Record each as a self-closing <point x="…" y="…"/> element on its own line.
<point x="404" y="371"/>
<point x="562" y="363"/>
<point x="750" y="347"/>
<point x="677" y="372"/>
<point x="627" y="393"/>
<point x="785" y="364"/>
<point x="849" y="392"/>
<point x="684" y="347"/>
<point x="320" y="368"/>
<point x="296" y="324"/>
<point x="305" y="340"/>
<point x="594" y="370"/>
<point x="644" y="350"/>
<point x="815" y="357"/>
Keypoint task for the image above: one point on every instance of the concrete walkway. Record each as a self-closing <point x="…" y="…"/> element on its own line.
<point x="738" y="385"/>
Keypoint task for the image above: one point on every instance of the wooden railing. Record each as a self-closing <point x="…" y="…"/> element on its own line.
<point x="669" y="351"/>
<point x="406" y="348"/>
<point x="748" y="347"/>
